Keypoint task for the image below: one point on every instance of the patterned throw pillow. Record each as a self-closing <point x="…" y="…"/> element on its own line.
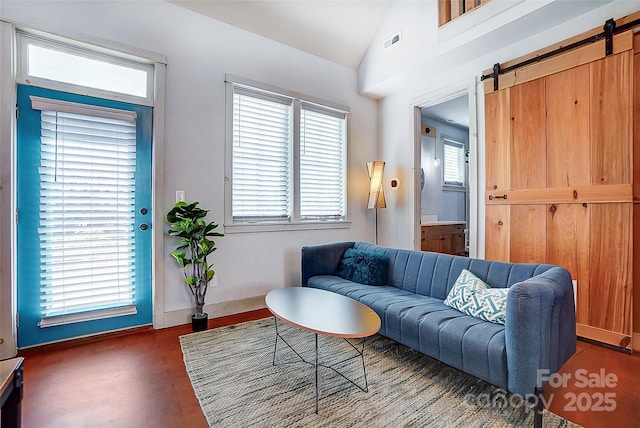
<point x="473" y="297"/>
<point x="365" y="267"/>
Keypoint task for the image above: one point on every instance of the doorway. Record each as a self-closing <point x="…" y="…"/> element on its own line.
<point x="446" y="164"/>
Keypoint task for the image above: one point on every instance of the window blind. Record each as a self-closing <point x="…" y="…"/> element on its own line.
<point x="261" y="160"/>
<point x="453" y="163"/>
<point x="87" y="210"/>
<point x="322" y="164"/>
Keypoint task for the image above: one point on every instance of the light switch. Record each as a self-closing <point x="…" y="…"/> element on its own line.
<point x="179" y="195"/>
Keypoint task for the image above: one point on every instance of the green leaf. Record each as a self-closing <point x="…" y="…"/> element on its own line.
<point x="181" y="259"/>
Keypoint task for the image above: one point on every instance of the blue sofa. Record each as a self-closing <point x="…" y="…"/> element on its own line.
<point x="540" y="325"/>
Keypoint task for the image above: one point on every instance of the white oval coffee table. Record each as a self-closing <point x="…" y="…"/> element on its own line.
<point x="325" y="313"/>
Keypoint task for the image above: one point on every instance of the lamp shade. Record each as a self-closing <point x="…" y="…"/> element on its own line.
<point x="376" y="194"/>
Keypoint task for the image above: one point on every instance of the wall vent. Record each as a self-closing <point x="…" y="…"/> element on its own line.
<point x="395" y="39"/>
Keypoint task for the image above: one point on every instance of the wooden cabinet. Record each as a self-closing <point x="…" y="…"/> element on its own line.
<point x="444" y="238"/>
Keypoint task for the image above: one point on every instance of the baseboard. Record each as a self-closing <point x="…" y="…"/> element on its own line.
<point x="215" y="310"/>
<point x="619" y="340"/>
<point x="82" y="339"/>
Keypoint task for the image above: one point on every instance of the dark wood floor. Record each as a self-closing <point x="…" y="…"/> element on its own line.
<point x="137" y="379"/>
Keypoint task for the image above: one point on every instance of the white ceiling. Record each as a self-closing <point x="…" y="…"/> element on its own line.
<point x="337" y="30"/>
<point x="455" y="112"/>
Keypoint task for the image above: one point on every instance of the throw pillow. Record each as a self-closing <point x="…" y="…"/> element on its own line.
<point x="365" y="267"/>
<point x="472" y="296"/>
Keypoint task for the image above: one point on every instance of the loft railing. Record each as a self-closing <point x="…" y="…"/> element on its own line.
<point x="448" y="10"/>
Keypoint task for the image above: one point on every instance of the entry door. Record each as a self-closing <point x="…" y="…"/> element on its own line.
<point x="83" y="215"/>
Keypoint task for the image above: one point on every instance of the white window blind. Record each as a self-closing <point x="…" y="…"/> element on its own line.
<point x="322" y="164"/>
<point x="87" y="204"/>
<point x="261" y="160"/>
<point x="286" y="160"/>
<point x="453" y="170"/>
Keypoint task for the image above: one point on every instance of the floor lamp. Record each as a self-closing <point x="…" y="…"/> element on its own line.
<point x="376" y="193"/>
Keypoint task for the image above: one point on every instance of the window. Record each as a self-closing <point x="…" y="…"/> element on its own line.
<point x="262" y="133"/>
<point x="86" y="211"/>
<point x="287" y="161"/>
<point x="449" y="10"/>
<point x="453" y="171"/>
<point x="322" y="167"/>
<point x="86" y="158"/>
<point x="65" y="66"/>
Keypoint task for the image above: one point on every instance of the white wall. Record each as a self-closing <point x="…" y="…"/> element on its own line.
<point x="199" y="52"/>
<point x="428" y="62"/>
<point x="448" y="205"/>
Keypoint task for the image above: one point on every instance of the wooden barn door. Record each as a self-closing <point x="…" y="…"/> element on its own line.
<point x="559" y="171"/>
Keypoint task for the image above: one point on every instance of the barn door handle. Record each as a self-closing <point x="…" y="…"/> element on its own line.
<point x="491" y="197"/>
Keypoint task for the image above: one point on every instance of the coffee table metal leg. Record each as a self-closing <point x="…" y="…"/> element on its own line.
<point x="316" y="363"/>
<point x="316" y="373"/>
<point x="275" y="346"/>
<point x="283" y="340"/>
<point x="364" y="369"/>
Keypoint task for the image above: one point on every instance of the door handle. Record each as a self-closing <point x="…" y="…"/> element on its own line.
<point x="491" y="197"/>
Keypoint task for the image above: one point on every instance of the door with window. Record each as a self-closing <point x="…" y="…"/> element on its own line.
<point x="83" y="215"/>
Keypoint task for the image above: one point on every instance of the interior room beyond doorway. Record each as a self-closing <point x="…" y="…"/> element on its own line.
<point x="444" y="172"/>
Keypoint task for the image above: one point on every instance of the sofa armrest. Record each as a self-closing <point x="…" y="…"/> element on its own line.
<point x="540" y="328"/>
<point x="322" y="259"/>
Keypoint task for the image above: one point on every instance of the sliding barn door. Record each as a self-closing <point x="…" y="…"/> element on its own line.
<point x="559" y="156"/>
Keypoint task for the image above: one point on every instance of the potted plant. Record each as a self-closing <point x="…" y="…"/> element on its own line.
<point x="188" y="224"/>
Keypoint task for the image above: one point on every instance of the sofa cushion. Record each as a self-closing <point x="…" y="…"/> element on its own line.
<point x="365" y="267"/>
<point x="474" y="297"/>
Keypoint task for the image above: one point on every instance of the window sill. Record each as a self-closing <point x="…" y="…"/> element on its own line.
<point x="88" y="316"/>
<point x="283" y="227"/>
<point x="447" y="188"/>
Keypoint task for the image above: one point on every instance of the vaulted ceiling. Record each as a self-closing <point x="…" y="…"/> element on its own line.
<point x="337" y="30"/>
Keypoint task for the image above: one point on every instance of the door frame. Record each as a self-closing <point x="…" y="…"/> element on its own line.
<point x="470" y="88"/>
<point x="8" y="84"/>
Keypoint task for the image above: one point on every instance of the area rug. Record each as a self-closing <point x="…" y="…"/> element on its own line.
<point x="237" y="384"/>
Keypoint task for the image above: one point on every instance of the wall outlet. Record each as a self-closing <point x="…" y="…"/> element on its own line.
<point x="179" y="195"/>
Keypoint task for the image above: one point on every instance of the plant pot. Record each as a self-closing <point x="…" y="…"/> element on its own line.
<point x="199" y="322"/>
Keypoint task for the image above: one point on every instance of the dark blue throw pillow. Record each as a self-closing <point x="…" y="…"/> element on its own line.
<point x="365" y="267"/>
